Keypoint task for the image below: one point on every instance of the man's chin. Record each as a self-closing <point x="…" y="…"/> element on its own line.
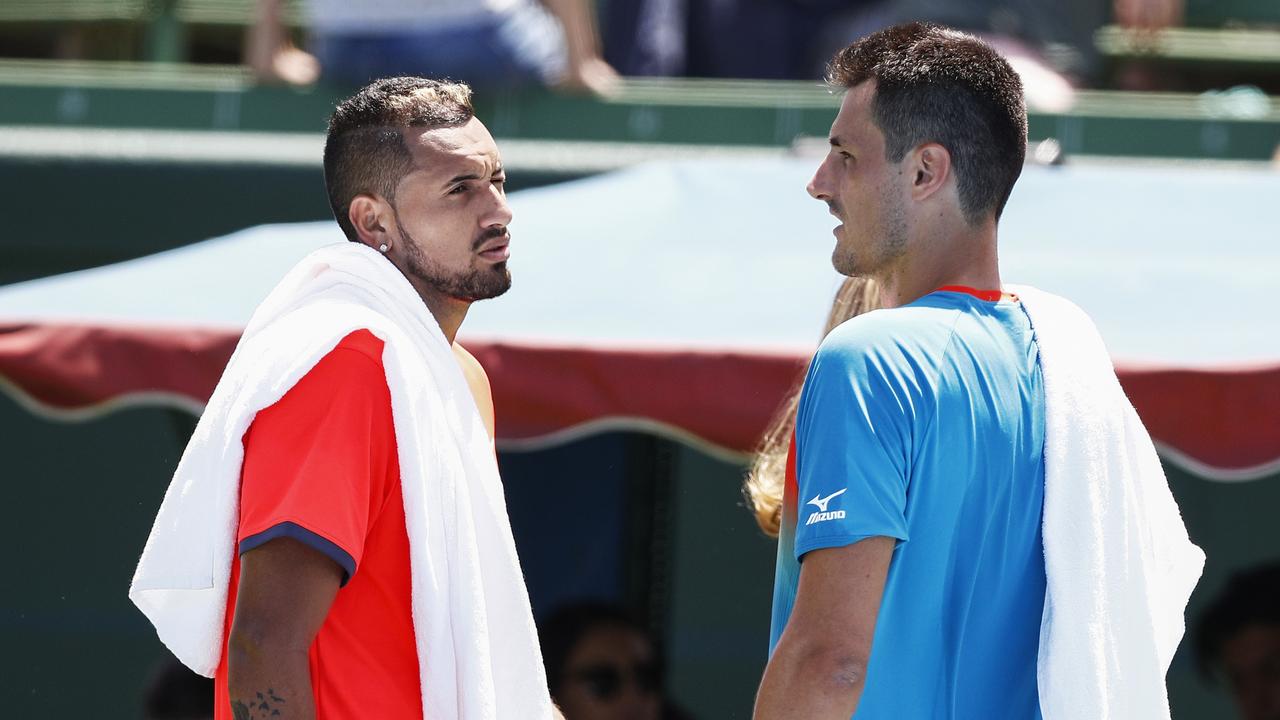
<point x="504" y="283"/>
<point x="495" y="285"/>
<point x="844" y="264"/>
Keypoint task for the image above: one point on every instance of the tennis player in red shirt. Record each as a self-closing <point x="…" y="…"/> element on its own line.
<point x="319" y="617"/>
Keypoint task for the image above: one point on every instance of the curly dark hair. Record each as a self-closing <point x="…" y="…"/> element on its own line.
<point x="560" y="632"/>
<point x="1251" y="597"/>
<point x="365" y="151"/>
<point x="935" y="84"/>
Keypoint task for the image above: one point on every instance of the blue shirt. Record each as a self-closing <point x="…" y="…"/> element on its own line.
<point x="925" y="423"/>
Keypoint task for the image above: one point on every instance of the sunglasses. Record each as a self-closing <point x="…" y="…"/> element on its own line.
<point x="605" y="681"/>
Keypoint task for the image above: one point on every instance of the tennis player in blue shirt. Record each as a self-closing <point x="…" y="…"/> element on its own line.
<point x="911" y="577"/>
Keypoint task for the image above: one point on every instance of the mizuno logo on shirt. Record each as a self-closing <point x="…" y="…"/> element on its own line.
<point x="821" y="503"/>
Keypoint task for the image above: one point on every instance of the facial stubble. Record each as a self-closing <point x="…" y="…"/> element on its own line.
<point x="470" y="285"/>
<point x="885" y="245"/>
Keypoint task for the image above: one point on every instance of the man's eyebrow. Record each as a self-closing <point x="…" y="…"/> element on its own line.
<point x="460" y="178"/>
<point x="472" y="176"/>
<point x="835" y="141"/>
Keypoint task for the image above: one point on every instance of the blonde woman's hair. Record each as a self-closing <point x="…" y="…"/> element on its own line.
<point x="764" y="484"/>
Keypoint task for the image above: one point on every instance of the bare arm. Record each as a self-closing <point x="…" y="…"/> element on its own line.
<point x="587" y="69"/>
<point x="270" y="54"/>
<point x="1149" y="14"/>
<point x="286" y="589"/>
<point x="819" y="667"/>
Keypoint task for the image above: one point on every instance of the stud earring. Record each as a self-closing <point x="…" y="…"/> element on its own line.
<point x="383" y="248"/>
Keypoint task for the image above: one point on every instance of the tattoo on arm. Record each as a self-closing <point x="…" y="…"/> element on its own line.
<point x="265" y="705"/>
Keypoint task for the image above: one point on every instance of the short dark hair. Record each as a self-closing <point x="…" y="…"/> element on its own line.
<point x="561" y="631"/>
<point x="365" y="151"/>
<point x="935" y="84"/>
<point x="1251" y="597"/>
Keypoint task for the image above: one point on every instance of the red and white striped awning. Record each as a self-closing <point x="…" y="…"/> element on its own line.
<point x="683" y="299"/>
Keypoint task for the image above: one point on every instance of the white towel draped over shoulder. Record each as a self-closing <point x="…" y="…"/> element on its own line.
<point x="477" y="647"/>
<point x="1119" y="563"/>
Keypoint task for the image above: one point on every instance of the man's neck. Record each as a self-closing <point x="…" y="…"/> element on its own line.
<point x="896" y="291"/>
<point x="966" y="259"/>
<point x="449" y="312"/>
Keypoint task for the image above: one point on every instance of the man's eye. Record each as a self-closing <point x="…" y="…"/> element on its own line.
<point x="458" y="190"/>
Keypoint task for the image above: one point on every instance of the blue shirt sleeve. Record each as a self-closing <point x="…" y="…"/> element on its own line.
<point x="853" y="445"/>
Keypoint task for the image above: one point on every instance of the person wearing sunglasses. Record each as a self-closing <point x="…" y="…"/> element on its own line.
<point x="601" y="665"/>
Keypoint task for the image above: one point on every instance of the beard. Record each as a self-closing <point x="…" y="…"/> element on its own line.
<point x="468" y="285"/>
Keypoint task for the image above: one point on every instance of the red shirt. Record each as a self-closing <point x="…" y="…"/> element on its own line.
<point x="320" y="466"/>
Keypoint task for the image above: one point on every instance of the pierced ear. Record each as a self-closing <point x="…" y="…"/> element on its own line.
<point x="368" y="215"/>
<point x="932" y="170"/>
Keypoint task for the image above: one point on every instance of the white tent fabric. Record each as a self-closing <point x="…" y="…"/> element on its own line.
<point x="1176" y="264"/>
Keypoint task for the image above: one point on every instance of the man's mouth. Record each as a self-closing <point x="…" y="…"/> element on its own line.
<point x="835" y="213"/>
<point x="496" y="250"/>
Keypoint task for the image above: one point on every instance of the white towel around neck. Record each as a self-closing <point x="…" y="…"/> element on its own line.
<point x="477" y="647"/>
<point x="1120" y="566"/>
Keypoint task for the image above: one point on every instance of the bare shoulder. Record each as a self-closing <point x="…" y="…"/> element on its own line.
<point x="478" y="382"/>
<point x="471" y="367"/>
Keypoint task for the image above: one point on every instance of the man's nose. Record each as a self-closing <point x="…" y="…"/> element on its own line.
<point x="500" y="211"/>
<point x="817" y="187"/>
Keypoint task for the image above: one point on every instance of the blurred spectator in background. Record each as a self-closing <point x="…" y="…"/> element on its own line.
<point x="1050" y="43"/>
<point x="1239" y="637"/>
<point x="602" y="665"/>
<point x="176" y="693"/>
<point x="1149" y="14"/>
<point x="761" y="39"/>
<point x="486" y="43"/>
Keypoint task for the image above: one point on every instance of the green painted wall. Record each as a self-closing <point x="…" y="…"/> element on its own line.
<point x="79" y="503"/>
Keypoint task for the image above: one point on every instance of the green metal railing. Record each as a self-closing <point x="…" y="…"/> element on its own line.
<point x="1231" y="126"/>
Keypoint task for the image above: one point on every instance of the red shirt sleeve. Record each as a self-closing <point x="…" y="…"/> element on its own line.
<point x="318" y="463"/>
